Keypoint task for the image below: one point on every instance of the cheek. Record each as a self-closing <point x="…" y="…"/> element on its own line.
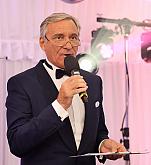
<point x="51" y="51"/>
<point x="59" y="58"/>
<point x="76" y="50"/>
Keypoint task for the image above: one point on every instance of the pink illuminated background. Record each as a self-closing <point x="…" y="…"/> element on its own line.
<point x="19" y="32"/>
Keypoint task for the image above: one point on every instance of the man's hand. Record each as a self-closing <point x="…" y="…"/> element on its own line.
<point x="73" y="85"/>
<point x="109" y="145"/>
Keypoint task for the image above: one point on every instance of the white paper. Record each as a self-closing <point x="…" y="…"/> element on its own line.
<point x="110" y="153"/>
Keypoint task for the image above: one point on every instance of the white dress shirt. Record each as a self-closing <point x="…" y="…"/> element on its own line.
<point x="76" y="111"/>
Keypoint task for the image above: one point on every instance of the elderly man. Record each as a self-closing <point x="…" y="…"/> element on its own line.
<point x="47" y="120"/>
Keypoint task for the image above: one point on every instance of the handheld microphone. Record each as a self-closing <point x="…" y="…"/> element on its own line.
<point x="72" y="68"/>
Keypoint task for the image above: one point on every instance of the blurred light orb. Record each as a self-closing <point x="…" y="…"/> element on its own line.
<point x="106" y="51"/>
<point x="88" y="62"/>
<point x="72" y="1"/>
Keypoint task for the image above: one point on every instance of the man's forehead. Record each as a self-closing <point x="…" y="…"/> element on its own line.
<point x="62" y="27"/>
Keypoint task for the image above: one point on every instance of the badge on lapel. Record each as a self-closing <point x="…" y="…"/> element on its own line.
<point x="97" y="104"/>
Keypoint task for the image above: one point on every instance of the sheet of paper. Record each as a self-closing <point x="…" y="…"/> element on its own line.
<point x="110" y="153"/>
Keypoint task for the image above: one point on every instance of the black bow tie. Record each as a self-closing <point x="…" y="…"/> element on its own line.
<point x="59" y="72"/>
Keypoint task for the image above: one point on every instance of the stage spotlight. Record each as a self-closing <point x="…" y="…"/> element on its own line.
<point x="146" y="46"/>
<point x="88" y="62"/>
<point x="102" y="43"/>
<point x="101" y="49"/>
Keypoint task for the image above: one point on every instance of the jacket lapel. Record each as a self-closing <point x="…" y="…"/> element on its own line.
<point x="50" y="93"/>
<point x="90" y="123"/>
<point x="48" y="86"/>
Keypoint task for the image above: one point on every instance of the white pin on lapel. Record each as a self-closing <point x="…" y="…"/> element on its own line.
<point x="97" y="103"/>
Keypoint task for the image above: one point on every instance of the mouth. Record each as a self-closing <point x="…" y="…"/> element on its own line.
<point x="65" y="55"/>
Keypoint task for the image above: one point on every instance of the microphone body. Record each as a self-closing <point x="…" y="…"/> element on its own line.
<point x="72" y="67"/>
<point x="83" y="95"/>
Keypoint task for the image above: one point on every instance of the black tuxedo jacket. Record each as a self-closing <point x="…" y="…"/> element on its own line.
<point x="35" y="132"/>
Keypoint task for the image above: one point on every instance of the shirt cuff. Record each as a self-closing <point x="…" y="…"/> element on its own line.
<point x="61" y="112"/>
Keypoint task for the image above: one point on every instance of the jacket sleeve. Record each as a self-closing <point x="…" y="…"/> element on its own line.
<point x="26" y="131"/>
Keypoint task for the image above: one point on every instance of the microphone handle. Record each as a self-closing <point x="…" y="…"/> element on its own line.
<point x="83" y="95"/>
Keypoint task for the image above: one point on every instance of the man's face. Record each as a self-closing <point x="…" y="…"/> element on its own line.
<point x="59" y="45"/>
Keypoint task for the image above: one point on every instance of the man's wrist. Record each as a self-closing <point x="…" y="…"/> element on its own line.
<point x="101" y="157"/>
<point x="61" y="112"/>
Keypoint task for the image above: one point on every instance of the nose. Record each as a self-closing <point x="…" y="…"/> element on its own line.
<point x="68" y="45"/>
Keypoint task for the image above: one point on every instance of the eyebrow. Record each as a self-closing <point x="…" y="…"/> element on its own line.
<point x="57" y="34"/>
<point x="61" y="34"/>
<point x="74" y="34"/>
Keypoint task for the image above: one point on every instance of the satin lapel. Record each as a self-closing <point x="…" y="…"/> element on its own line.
<point x="49" y="88"/>
<point x="51" y="92"/>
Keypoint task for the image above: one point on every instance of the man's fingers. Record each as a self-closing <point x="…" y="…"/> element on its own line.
<point x="79" y="90"/>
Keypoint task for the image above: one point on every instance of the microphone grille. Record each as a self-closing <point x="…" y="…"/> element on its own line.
<point x="71" y="63"/>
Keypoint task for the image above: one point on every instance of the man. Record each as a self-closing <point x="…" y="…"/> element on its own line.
<point x="47" y="121"/>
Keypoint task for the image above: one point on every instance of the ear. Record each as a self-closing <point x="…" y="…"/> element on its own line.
<point x="42" y="43"/>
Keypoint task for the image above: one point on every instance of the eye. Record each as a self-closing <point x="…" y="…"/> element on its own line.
<point x="58" y="37"/>
<point x="74" y="37"/>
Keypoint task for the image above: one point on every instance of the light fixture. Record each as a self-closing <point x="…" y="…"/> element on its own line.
<point x="102" y="43"/>
<point x="101" y="49"/>
<point x="88" y="62"/>
<point x="72" y="1"/>
<point x="146" y="46"/>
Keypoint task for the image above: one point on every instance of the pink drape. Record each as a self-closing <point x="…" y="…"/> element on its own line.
<point x="19" y="32"/>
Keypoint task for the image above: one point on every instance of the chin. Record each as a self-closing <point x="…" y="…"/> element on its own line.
<point x="61" y="66"/>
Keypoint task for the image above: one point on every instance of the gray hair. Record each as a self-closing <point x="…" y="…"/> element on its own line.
<point x="55" y="17"/>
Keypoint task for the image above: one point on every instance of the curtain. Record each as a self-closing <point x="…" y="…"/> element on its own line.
<point x="19" y="33"/>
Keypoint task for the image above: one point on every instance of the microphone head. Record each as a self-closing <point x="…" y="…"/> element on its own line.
<point x="71" y="64"/>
